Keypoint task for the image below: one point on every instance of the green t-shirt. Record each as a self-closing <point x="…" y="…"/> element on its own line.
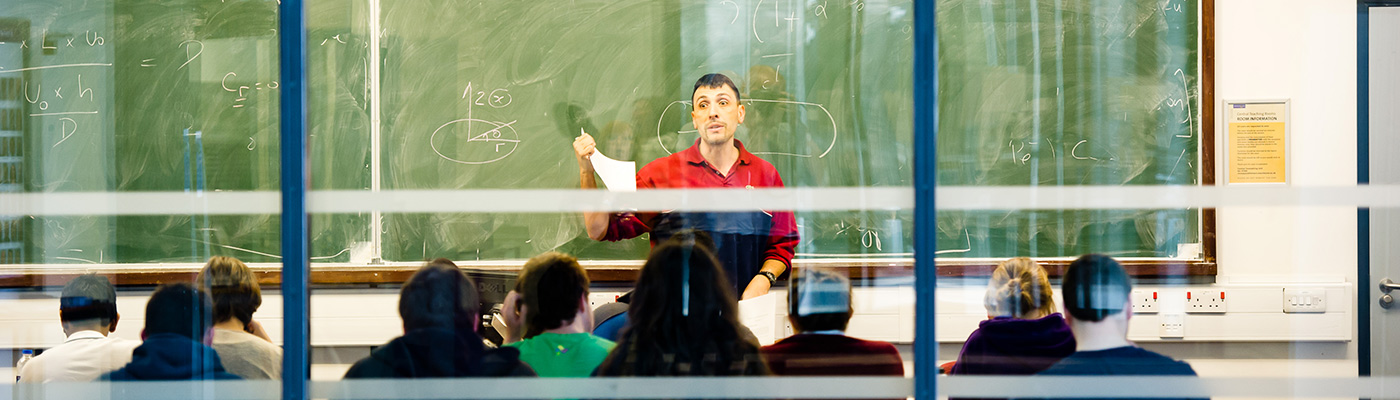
<point x="559" y="355"/>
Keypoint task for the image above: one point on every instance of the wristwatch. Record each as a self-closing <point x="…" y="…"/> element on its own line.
<point x="772" y="279"/>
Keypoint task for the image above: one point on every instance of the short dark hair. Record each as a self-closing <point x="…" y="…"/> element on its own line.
<point x="819" y="300"/>
<point x="439" y="295"/>
<point x="179" y="308"/>
<point x="232" y="286"/>
<point x="88" y="297"/>
<point x="552" y="285"/>
<point x="714" y="81"/>
<point x="1095" y="287"/>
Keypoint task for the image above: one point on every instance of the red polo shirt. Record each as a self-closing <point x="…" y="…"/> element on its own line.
<point x="688" y="169"/>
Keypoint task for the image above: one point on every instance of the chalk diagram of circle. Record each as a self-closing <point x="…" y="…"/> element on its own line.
<point x="835" y="132"/>
<point x="492" y="141"/>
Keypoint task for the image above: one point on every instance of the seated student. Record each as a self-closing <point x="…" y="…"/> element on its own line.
<point x="1023" y="334"/>
<point x="439" y="305"/>
<point x="178" y="324"/>
<point x="241" y="342"/>
<point x="1096" y="294"/>
<point x="549" y="310"/>
<point x="88" y="309"/>
<point x="610" y="319"/>
<point x="819" y="307"/>
<point x="684" y="319"/>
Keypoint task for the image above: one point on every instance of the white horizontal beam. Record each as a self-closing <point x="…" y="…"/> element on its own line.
<point x="962" y="198"/>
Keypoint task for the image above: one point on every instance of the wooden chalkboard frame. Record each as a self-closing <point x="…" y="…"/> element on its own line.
<point x="617" y="272"/>
<point x="623" y="271"/>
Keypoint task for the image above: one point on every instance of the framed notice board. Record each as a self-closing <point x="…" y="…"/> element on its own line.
<point x="1258" y="142"/>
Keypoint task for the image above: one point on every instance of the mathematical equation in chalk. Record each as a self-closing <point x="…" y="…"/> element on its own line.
<point x="53" y="43"/>
<point x="64" y="103"/>
<point x="474" y="140"/>
<point x="231" y="84"/>
<point x="786" y="17"/>
<point x="1024" y="151"/>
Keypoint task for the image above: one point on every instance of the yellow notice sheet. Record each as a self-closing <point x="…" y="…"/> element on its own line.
<point x="1257" y="142"/>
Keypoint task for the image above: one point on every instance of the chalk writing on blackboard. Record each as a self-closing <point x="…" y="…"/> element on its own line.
<point x="753" y="21"/>
<point x="869" y="237"/>
<point x="966" y="235"/>
<point x="498" y="141"/>
<point x="736" y="10"/>
<point x="490" y="146"/>
<point x="1190" y="124"/>
<point x="64" y="124"/>
<point x="242" y="89"/>
<point x="190" y="58"/>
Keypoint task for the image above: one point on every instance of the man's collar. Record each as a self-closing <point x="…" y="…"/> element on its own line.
<point x="692" y="155"/>
<point x="87" y="334"/>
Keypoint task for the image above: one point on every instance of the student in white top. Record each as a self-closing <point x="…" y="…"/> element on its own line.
<point x="242" y="343"/>
<point x="88" y="309"/>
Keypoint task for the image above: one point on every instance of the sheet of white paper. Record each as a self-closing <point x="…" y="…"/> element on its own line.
<point x="760" y="315"/>
<point x="618" y="175"/>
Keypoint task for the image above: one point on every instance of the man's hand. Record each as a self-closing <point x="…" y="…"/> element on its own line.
<point x="760" y="285"/>
<point x="513" y="319"/>
<point x="757" y="287"/>
<point x="584" y="147"/>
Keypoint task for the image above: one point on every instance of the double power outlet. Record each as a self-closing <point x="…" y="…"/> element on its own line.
<point x="1205" y="301"/>
<point x="1172" y="322"/>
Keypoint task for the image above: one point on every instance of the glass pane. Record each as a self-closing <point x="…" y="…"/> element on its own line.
<point x="474" y="109"/>
<point x="1166" y="137"/>
<point x="138" y="139"/>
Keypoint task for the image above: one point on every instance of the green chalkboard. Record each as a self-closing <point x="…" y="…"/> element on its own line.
<point x="186" y="94"/>
<point x="174" y="96"/>
<point x="1068" y="93"/>
<point x="827" y="88"/>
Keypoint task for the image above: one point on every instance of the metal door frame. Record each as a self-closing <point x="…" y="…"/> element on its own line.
<point x="1363" y="177"/>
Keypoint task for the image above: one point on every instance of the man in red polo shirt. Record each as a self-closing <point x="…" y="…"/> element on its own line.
<point x="754" y="247"/>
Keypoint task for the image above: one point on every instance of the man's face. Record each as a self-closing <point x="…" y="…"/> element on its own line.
<point x="716" y="114"/>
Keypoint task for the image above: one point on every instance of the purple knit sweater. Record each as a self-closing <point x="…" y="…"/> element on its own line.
<point x="1009" y="346"/>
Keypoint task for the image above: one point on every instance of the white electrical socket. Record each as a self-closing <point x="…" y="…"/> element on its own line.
<point x="1172" y="325"/>
<point x="1145" y="301"/>
<point x="1206" y="301"/>
<point x="1304" y="300"/>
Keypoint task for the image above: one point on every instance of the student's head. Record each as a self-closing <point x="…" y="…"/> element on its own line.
<point x="181" y="309"/>
<point x="233" y="288"/>
<point x="819" y="300"/>
<point x="439" y="296"/>
<point x="1095" y="288"/>
<point x="683" y="318"/>
<point x="1019" y="288"/>
<point x="554" y="292"/>
<point x="88" y="303"/>
<point x="715" y="109"/>
<point x="682" y="279"/>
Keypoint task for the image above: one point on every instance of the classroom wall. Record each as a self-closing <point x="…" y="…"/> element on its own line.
<point x="1304" y="51"/>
